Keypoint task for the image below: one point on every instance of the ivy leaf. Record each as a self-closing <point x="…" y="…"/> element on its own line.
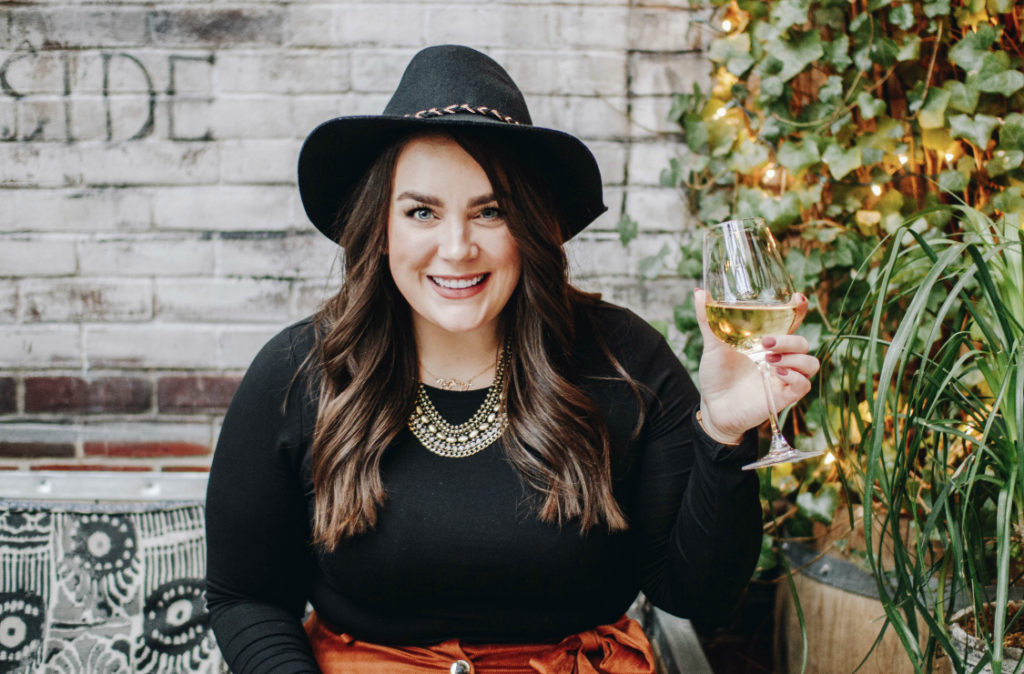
<point x="869" y="105"/>
<point x="874" y="5"/>
<point x="789" y="13"/>
<point x="1003" y="162"/>
<point x="837" y="52"/>
<point x="697" y="135"/>
<point x="683" y="315"/>
<point x="902" y="16"/>
<point x="796" y="157"/>
<point x="832" y="89"/>
<point x="811" y="196"/>
<point x="714" y="206"/>
<point x="936" y="8"/>
<point x="977" y="130"/>
<point x="1011" y="135"/>
<point x="840" y="161"/>
<point x="862" y="58"/>
<point x="936" y="139"/>
<point x="953" y="181"/>
<point x="999" y="6"/>
<point x="969" y="52"/>
<point x="962" y="97"/>
<point x="627" y="228"/>
<point x="832" y="17"/>
<point x="779" y="212"/>
<point x="933" y="112"/>
<point x="910" y="50"/>
<point x="804" y="269"/>
<point x="733" y="52"/>
<point x="1006" y="83"/>
<point x="821" y="506"/>
<point x="1009" y="200"/>
<point x="649" y="267"/>
<point x="796" y="54"/>
<point x="748" y="156"/>
<point x="884" y="51"/>
<point x="772" y="88"/>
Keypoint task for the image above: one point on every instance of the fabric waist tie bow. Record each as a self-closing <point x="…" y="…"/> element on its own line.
<point x="619" y="648"/>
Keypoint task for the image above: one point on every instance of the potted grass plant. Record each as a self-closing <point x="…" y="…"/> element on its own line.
<point x="928" y="412"/>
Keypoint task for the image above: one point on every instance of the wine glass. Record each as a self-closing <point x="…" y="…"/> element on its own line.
<point x="750" y="296"/>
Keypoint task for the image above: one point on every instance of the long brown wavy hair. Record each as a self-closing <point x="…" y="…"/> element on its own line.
<point x="367" y="373"/>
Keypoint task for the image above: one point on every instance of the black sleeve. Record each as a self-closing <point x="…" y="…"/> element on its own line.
<point x="697" y="514"/>
<point x="258" y="557"/>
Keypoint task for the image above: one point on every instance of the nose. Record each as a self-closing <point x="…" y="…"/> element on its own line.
<point x="457" y="240"/>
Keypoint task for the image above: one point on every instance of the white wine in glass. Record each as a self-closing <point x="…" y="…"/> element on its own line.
<point x="750" y="296"/>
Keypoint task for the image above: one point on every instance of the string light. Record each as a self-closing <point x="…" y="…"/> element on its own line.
<point x="830" y="458"/>
<point x="719" y="114"/>
<point x="949" y="156"/>
<point x="769" y="174"/>
<point x="876" y="190"/>
<point x="726" y="25"/>
<point x="903" y="159"/>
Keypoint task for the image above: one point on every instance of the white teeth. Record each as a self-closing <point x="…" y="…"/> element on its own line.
<point x="457" y="283"/>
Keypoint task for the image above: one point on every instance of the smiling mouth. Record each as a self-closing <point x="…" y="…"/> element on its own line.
<point x="458" y="283"/>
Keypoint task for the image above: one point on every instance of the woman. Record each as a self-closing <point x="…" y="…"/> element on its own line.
<point x="461" y="462"/>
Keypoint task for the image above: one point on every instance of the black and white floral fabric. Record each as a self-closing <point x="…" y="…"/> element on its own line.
<point x="109" y="589"/>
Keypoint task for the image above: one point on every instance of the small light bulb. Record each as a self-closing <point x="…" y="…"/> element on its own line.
<point x="769" y="174"/>
<point x="876" y="190"/>
<point x="830" y="458"/>
<point x="903" y="159"/>
<point x="719" y="114"/>
<point x="949" y="156"/>
<point x="727" y="25"/>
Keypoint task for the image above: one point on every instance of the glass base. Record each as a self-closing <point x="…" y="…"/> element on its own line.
<point x="782" y="452"/>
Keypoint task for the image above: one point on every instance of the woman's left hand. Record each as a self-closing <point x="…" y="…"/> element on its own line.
<point x="732" y="395"/>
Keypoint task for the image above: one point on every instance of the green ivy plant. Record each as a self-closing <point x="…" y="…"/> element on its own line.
<point x="850" y="126"/>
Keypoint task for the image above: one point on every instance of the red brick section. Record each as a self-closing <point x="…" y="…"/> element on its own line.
<point x="8" y="402"/>
<point x="34" y="450"/>
<point x="185" y="469"/>
<point x="195" y="394"/>
<point x="145" y="450"/>
<point x="73" y="394"/>
<point x="85" y="466"/>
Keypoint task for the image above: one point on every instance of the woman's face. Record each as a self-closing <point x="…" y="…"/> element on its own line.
<point x="449" y="249"/>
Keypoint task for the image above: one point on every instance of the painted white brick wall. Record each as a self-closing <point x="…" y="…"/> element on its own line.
<point x="149" y="221"/>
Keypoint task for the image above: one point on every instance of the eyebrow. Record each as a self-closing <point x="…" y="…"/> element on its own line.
<point x="434" y="201"/>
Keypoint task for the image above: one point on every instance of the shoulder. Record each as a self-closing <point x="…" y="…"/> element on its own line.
<point x="631" y="339"/>
<point x="288" y="348"/>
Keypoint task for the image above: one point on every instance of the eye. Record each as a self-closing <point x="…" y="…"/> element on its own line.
<point x="420" y="214"/>
<point x="490" y="213"/>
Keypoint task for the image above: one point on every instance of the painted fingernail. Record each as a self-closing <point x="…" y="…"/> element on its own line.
<point x="773" y="357"/>
<point x="782" y="371"/>
<point x="768" y="342"/>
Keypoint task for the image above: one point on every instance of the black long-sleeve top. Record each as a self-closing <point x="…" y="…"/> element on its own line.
<point x="458" y="551"/>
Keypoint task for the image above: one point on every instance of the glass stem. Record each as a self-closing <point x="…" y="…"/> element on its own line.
<point x="773" y="417"/>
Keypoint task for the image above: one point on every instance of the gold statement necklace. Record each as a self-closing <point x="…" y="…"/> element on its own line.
<point x="468" y="438"/>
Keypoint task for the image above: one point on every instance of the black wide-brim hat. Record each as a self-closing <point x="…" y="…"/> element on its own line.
<point x="447" y="86"/>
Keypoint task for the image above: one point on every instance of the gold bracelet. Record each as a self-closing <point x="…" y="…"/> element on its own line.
<point x="700" y="420"/>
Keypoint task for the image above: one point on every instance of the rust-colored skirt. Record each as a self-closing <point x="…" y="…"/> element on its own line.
<point x="620" y="648"/>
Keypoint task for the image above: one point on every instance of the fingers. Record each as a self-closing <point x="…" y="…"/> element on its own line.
<point x="798" y="362"/>
<point x="801" y="310"/>
<point x="786" y="344"/>
<point x="795" y="385"/>
<point x="700" y="298"/>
